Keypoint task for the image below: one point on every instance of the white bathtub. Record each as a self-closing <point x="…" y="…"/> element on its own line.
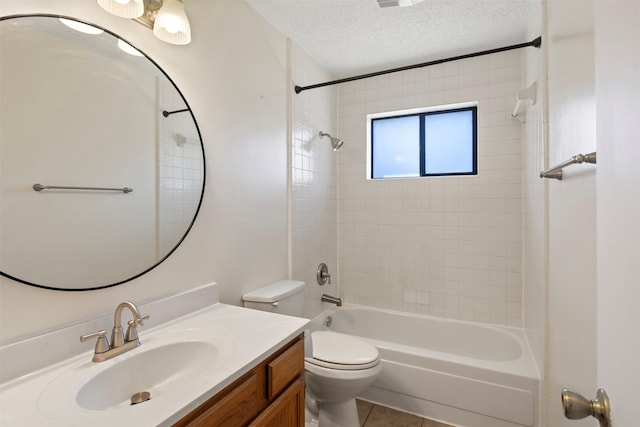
<point x="461" y="373"/>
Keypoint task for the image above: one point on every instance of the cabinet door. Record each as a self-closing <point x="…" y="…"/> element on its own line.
<point x="286" y="411"/>
<point x="233" y="410"/>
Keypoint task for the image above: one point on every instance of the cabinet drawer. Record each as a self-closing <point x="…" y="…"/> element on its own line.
<point x="282" y="370"/>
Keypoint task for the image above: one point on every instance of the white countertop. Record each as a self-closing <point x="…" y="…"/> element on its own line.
<point x="248" y="335"/>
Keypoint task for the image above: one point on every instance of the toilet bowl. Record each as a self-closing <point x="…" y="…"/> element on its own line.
<point x="338" y="367"/>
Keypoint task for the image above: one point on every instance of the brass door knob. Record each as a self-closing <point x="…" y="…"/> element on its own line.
<point x="577" y="406"/>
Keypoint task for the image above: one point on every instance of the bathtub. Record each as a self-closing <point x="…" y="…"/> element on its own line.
<point x="457" y="372"/>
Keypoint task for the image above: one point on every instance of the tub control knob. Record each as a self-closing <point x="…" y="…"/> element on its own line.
<point x="323" y="275"/>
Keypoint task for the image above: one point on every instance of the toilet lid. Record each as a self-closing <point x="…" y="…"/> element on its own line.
<point x="332" y="348"/>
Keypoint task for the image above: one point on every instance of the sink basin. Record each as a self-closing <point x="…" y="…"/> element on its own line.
<point x="165" y="365"/>
<point x="156" y="371"/>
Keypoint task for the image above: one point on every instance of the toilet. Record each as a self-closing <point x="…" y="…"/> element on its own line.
<point x="338" y="367"/>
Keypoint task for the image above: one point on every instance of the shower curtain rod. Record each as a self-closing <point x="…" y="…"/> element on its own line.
<point x="534" y="43"/>
<point x="168" y="113"/>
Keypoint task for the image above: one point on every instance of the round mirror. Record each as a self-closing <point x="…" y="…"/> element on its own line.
<point x="97" y="185"/>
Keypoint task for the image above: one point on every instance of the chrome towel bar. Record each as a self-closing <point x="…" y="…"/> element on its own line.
<point x="556" y="172"/>
<point x="40" y="187"/>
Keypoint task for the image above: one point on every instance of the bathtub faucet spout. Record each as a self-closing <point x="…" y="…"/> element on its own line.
<point x="333" y="300"/>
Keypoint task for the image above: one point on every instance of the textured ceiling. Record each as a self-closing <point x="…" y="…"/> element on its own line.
<point x="350" y="37"/>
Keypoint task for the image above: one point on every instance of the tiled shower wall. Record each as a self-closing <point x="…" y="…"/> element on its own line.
<point x="313" y="197"/>
<point x="445" y="246"/>
<point x="180" y="168"/>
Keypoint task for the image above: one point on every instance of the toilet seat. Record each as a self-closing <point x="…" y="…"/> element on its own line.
<point x="334" y="350"/>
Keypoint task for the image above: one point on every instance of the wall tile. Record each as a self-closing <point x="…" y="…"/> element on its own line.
<point x="313" y="166"/>
<point x="440" y="245"/>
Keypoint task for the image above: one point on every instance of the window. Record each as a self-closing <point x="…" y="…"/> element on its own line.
<point x="423" y="142"/>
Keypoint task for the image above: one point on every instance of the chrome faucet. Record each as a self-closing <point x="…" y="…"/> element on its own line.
<point x="120" y="343"/>
<point x="333" y="300"/>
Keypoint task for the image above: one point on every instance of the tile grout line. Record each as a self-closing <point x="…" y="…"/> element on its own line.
<point x="364" y="424"/>
<point x="422" y="419"/>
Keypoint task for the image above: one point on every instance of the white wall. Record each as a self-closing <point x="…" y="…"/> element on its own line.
<point x="314" y="181"/>
<point x="234" y="76"/>
<point x="617" y="50"/>
<point x="446" y="246"/>
<point x="571" y="293"/>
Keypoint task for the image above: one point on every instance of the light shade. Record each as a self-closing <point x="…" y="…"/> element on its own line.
<point x="123" y="8"/>
<point x="171" y="24"/>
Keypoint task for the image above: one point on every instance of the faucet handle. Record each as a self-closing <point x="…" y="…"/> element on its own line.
<point x="132" y="331"/>
<point x="139" y="322"/>
<point x="326" y="276"/>
<point x="102" y="344"/>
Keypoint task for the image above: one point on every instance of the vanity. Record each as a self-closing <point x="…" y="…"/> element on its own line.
<point x="219" y="365"/>
<point x="271" y="394"/>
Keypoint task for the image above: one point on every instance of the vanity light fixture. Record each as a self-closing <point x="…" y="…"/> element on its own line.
<point x="171" y="24"/>
<point x="123" y="8"/>
<point x="166" y="18"/>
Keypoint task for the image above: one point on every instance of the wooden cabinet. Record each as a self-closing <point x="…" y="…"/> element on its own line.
<point x="286" y="411"/>
<point x="269" y="395"/>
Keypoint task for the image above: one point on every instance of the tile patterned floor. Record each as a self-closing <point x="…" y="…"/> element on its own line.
<point x="372" y="415"/>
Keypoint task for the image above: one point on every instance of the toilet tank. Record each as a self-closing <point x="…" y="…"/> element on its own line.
<point x="283" y="297"/>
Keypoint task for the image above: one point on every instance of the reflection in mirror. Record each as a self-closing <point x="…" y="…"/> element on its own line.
<point x="78" y="111"/>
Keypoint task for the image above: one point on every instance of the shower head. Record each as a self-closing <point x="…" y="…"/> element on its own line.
<point x="336" y="143"/>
